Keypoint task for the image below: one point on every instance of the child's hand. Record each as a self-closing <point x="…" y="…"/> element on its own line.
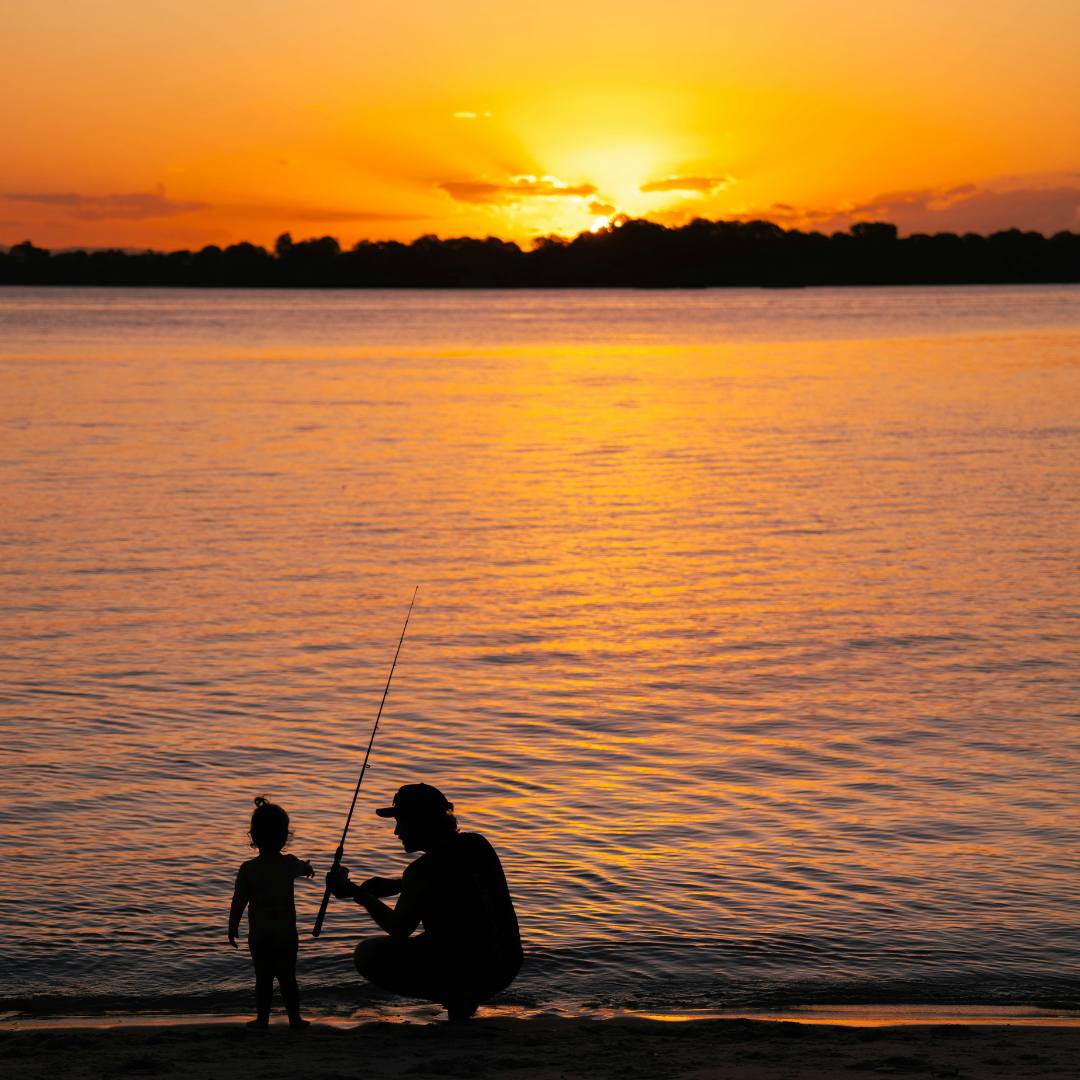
<point x="232" y="941"/>
<point x="308" y="869"/>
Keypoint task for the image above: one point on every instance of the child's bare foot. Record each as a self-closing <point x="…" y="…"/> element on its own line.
<point x="258" y="1023"/>
<point x="299" y="1025"/>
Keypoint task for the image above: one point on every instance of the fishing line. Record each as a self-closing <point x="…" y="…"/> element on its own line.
<point x="316" y="930"/>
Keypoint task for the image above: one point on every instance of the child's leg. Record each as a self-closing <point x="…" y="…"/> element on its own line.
<point x="265" y="963"/>
<point x="285" y="965"/>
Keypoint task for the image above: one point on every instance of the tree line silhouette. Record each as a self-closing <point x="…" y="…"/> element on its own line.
<point x="630" y="252"/>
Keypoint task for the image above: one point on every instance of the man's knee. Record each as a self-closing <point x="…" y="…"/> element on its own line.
<point x="371" y="957"/>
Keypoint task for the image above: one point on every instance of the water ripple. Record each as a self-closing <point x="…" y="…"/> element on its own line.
<point x="770" y="676"/>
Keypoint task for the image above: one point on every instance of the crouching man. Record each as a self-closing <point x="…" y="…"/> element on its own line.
<point x="470" y="948"/>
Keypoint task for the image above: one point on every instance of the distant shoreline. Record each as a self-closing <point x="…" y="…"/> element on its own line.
<point x="634" y="253"/>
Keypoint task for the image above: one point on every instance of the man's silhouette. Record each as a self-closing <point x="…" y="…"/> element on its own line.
<point x="470" y="948"/>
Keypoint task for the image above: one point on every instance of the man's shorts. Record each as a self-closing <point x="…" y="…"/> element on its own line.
<point x="412" y="967"/>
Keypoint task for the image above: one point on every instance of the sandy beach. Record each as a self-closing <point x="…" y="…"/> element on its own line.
<point x="544" y="1049"/>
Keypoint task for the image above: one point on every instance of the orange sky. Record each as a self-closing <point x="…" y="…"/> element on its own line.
<point x="180" y="124"/>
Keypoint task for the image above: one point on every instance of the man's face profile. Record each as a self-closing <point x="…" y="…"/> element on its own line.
<point x="410" y="833"/>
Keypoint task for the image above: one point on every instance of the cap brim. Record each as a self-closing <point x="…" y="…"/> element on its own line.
<point x="387" y="811"/>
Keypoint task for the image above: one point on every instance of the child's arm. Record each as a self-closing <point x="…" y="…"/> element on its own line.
<point x="301" y="867"/>
<point x="239" y="902"/>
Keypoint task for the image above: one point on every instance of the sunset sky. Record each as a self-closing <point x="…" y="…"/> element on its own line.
<point x="175" y="125"/>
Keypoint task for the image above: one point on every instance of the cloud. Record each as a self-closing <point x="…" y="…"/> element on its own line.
<point x="966" y="208"/>
<point x="313" y="213"/>
<point x="134" y="207"/>
<point x="700" y="185"/>
<point x="155" y="204"/>
<point x="484" y="191"/>
<point x="471" y="191"/>
<point x="603" y="208"/>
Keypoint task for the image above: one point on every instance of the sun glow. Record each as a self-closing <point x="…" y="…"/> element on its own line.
<point x="598" y="224"/>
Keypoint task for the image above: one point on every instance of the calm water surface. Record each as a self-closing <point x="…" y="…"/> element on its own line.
<point x="747" y="629"/>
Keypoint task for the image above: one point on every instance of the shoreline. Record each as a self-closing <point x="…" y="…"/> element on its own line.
<point x="834" y="1015"/>
<point x="543" y="1048"/>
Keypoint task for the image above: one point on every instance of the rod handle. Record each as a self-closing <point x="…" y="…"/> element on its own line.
<point x="316" y="930"/>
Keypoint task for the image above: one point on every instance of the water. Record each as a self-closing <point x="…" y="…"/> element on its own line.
<point x="747" y="631"/>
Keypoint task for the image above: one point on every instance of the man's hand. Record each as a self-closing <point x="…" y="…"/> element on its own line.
<point x="340" y="885"/>
<point x="382" y="886"/>
<point x="232" y="940"/>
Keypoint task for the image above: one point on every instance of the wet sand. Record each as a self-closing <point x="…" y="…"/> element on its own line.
<point x="544" y="1048"/>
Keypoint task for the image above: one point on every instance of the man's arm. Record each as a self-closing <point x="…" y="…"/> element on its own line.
<point x="400" y="920"/>
<point x="382" y="886"/>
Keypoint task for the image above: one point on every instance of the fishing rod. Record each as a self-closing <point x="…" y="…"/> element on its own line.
<point x="316" y="930"/>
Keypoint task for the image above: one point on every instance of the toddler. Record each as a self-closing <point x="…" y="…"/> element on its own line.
<point x="264" y="885"/>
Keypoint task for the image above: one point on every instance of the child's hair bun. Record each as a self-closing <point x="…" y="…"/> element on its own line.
<point x="269" y="825"/>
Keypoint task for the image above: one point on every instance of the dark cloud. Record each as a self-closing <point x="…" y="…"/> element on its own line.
<point x="967" y="208"/>
<point x="133" y="207"/>
<point x="471" y="191"/>
<point x="483" y="191"/>
<point x="702" y="185"/>
<point x="601" y="208"/>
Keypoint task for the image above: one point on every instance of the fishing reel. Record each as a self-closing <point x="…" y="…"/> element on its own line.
<point x="338" y="883"/>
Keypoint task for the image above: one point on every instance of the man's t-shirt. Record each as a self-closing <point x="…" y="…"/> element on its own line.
<point x="466" y="910"/>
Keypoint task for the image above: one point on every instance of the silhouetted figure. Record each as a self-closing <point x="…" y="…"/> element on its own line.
<point x="470" y="948"/>
<point x="264" y="885"/>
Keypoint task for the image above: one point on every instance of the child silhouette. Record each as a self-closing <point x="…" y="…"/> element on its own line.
<point x="264" y="885"/>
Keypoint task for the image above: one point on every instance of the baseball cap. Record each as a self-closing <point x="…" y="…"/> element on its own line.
<point x="416" y="799"/>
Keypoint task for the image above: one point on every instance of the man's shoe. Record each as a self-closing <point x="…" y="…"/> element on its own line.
<point x="459" y="1013"/>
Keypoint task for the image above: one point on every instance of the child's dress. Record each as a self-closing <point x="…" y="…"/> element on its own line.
<point x="264" y="885"/>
